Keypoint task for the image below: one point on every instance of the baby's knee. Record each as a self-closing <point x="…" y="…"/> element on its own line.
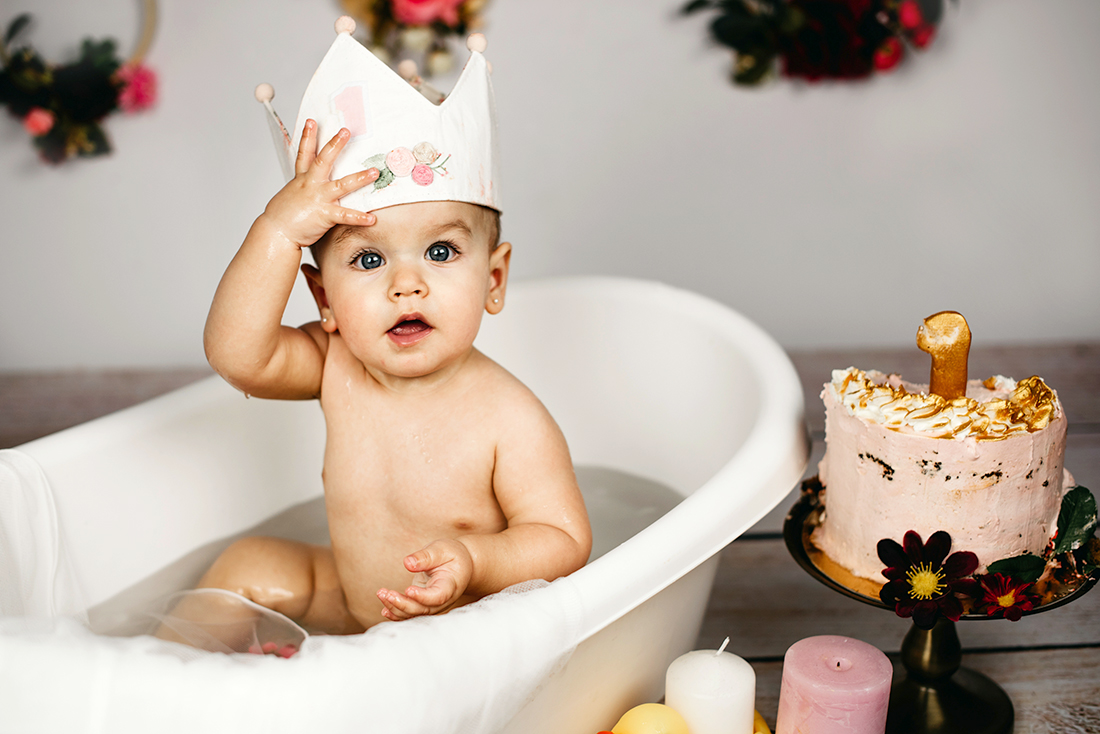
<point x="274" y="573"/>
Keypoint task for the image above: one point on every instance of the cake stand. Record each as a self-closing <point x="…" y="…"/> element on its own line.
<point x="937" y="695"/>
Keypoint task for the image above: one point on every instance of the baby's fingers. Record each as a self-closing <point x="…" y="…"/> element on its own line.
<point x="307" y="147"/>
<point x="352" y="217"/>
<point x="324" y="160"/>
<point x="398" y="607"/>
<point x="438" y="593"/>
<point x="353" y="182"/>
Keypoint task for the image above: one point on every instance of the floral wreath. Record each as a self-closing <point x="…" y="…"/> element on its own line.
<point x="62" y="106"/>
<point x="925" y="583"/>
<point x="819" y="39"/>
<point x="416" y="28"/>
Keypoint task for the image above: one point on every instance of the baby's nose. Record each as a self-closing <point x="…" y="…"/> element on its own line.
<point x="407" y="282"/>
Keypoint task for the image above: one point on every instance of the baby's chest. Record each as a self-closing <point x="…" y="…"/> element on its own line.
<point x="428" y="474"/>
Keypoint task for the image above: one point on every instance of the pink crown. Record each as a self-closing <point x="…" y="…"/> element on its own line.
<point x="427" y="147"/>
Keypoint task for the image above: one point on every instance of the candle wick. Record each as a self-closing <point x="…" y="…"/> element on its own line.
<point x="723" y="647"/>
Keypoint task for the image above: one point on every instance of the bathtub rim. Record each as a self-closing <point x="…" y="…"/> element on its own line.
<point x="771" y="459"/>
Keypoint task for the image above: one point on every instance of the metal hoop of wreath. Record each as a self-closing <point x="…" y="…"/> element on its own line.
<point x="62" y="106"/>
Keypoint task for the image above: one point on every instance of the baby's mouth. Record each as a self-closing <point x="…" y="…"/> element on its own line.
<point x="409" y="330"/>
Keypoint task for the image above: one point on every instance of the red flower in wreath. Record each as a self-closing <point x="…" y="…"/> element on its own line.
<point x="423" y="12"/>
<point x="888" y="54"/>
<point x="836" y="40"/>
<point x="1006" y="597"/>
<point x="922" y="580"/>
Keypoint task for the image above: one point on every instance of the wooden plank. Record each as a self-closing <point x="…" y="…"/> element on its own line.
<point x="35" y="404"/>
<point x="1053" y="691"/>
<point x="1071" y="369"/>
<point x="765" y="602"/>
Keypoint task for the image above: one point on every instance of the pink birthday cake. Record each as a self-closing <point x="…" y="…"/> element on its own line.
<point x="985" y="467"/>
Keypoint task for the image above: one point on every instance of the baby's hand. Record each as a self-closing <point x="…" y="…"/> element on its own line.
<point x="448" y="565"/>
<point x="308" y="206"/>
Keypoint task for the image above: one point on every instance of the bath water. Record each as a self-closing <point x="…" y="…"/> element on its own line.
<point x="619" y="506"/>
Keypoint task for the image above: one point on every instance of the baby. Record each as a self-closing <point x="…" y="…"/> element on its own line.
<point x="445" y="478"/>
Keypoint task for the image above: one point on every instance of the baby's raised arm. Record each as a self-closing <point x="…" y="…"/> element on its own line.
<point x="244" y="338"/>
<point x="548" y="533"/>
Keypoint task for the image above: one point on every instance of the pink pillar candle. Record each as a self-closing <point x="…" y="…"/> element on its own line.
<point x="833" y="685"/>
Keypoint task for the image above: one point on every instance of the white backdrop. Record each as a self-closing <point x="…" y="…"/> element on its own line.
<point x="833" y="215"/>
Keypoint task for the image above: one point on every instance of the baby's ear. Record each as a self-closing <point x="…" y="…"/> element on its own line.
<point x="313" y="279"/>
<point x="499" y="261"/>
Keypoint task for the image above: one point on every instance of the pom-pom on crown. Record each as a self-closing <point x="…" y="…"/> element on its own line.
<point x="427" y="147"/>
<point x="345" y="24"/>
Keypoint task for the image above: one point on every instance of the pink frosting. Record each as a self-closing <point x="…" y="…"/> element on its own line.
<point x="996" y="499"/>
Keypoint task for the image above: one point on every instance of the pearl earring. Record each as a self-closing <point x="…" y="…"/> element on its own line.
<point x="496" y="300"/>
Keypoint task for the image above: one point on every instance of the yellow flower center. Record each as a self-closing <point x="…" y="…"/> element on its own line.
<point x="1007" y="600"/>
<point x="924" y="583"/>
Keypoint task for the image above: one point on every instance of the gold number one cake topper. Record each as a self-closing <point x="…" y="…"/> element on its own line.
<point x="946" y="336"/>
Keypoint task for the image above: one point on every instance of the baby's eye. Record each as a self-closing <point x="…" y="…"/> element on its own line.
<point x="440" y="252"/>
<point x="370" y="260"/>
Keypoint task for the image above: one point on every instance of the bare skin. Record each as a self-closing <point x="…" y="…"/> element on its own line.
<point x="445" y="478"/>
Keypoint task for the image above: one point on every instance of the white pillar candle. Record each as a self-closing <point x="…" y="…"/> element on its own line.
<point x="715" y="691"/>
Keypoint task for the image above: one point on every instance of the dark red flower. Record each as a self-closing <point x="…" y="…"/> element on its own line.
<point x="910" y="15"/>
<point x="923" y="35"/>
<point x="888" y="54"/>
<point x="923" y="581"/>
<point x="1006" y="597"/>
<point x="836" y="39"/>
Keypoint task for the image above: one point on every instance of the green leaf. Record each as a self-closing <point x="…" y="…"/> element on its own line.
<point x="694" y="5"/>
<point x="93" y="141"/>
<point x="754" y="67"/>
<point x="100" y="55"/>
<point x="385" y="178"/>
<point x="1076" y="520"/>
<point x="16" y="27"/>
<point x="376" y="161"/>
<point x="1026" y="568"/>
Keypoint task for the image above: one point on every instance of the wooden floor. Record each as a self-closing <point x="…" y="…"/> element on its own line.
<point x="1049" y="663"/>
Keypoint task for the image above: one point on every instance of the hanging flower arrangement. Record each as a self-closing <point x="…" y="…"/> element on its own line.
<point x="925" y="583"/>
<point x="62" y="106"/>
<point x="819" y="39"/>
<point x="416" y="29"/>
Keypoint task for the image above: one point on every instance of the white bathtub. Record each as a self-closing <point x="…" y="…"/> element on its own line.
<point x="642" y="378"/>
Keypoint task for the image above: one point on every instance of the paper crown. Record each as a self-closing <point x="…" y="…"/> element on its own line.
<point x="438" y="149"/>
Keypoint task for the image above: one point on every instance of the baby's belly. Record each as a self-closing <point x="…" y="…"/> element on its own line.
<point x="370" y="556"/>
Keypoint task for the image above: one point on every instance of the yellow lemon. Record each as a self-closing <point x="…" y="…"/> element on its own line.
<point x="651" y="718"/>
<point x="759" y="726"/>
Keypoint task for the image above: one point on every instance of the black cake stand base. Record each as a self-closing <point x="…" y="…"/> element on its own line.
<point x="937" y="696"/>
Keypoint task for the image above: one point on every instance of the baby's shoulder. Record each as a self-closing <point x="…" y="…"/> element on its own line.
<point x="509" y="397"/>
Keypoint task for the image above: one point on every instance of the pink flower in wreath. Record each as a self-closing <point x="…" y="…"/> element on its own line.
<point x="38" y="121"/>
<point x="423" y="12"/>
<point x="400" y="161"/>
<point x="139" y="87"/>
<point x="422" y="174"/>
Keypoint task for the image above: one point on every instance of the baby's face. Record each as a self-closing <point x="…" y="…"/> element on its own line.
<point x="407" y="294"/>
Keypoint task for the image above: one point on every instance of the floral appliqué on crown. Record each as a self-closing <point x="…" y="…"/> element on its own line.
<point x="421" y="164"/>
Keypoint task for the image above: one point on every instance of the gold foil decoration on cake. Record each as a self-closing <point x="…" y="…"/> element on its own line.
<point x="946" y="336"/>
<point x="877" y="398"/>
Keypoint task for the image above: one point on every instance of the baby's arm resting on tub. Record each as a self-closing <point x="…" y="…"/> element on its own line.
<point x="244" y="338"/>
<point x="548" y="533"/>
